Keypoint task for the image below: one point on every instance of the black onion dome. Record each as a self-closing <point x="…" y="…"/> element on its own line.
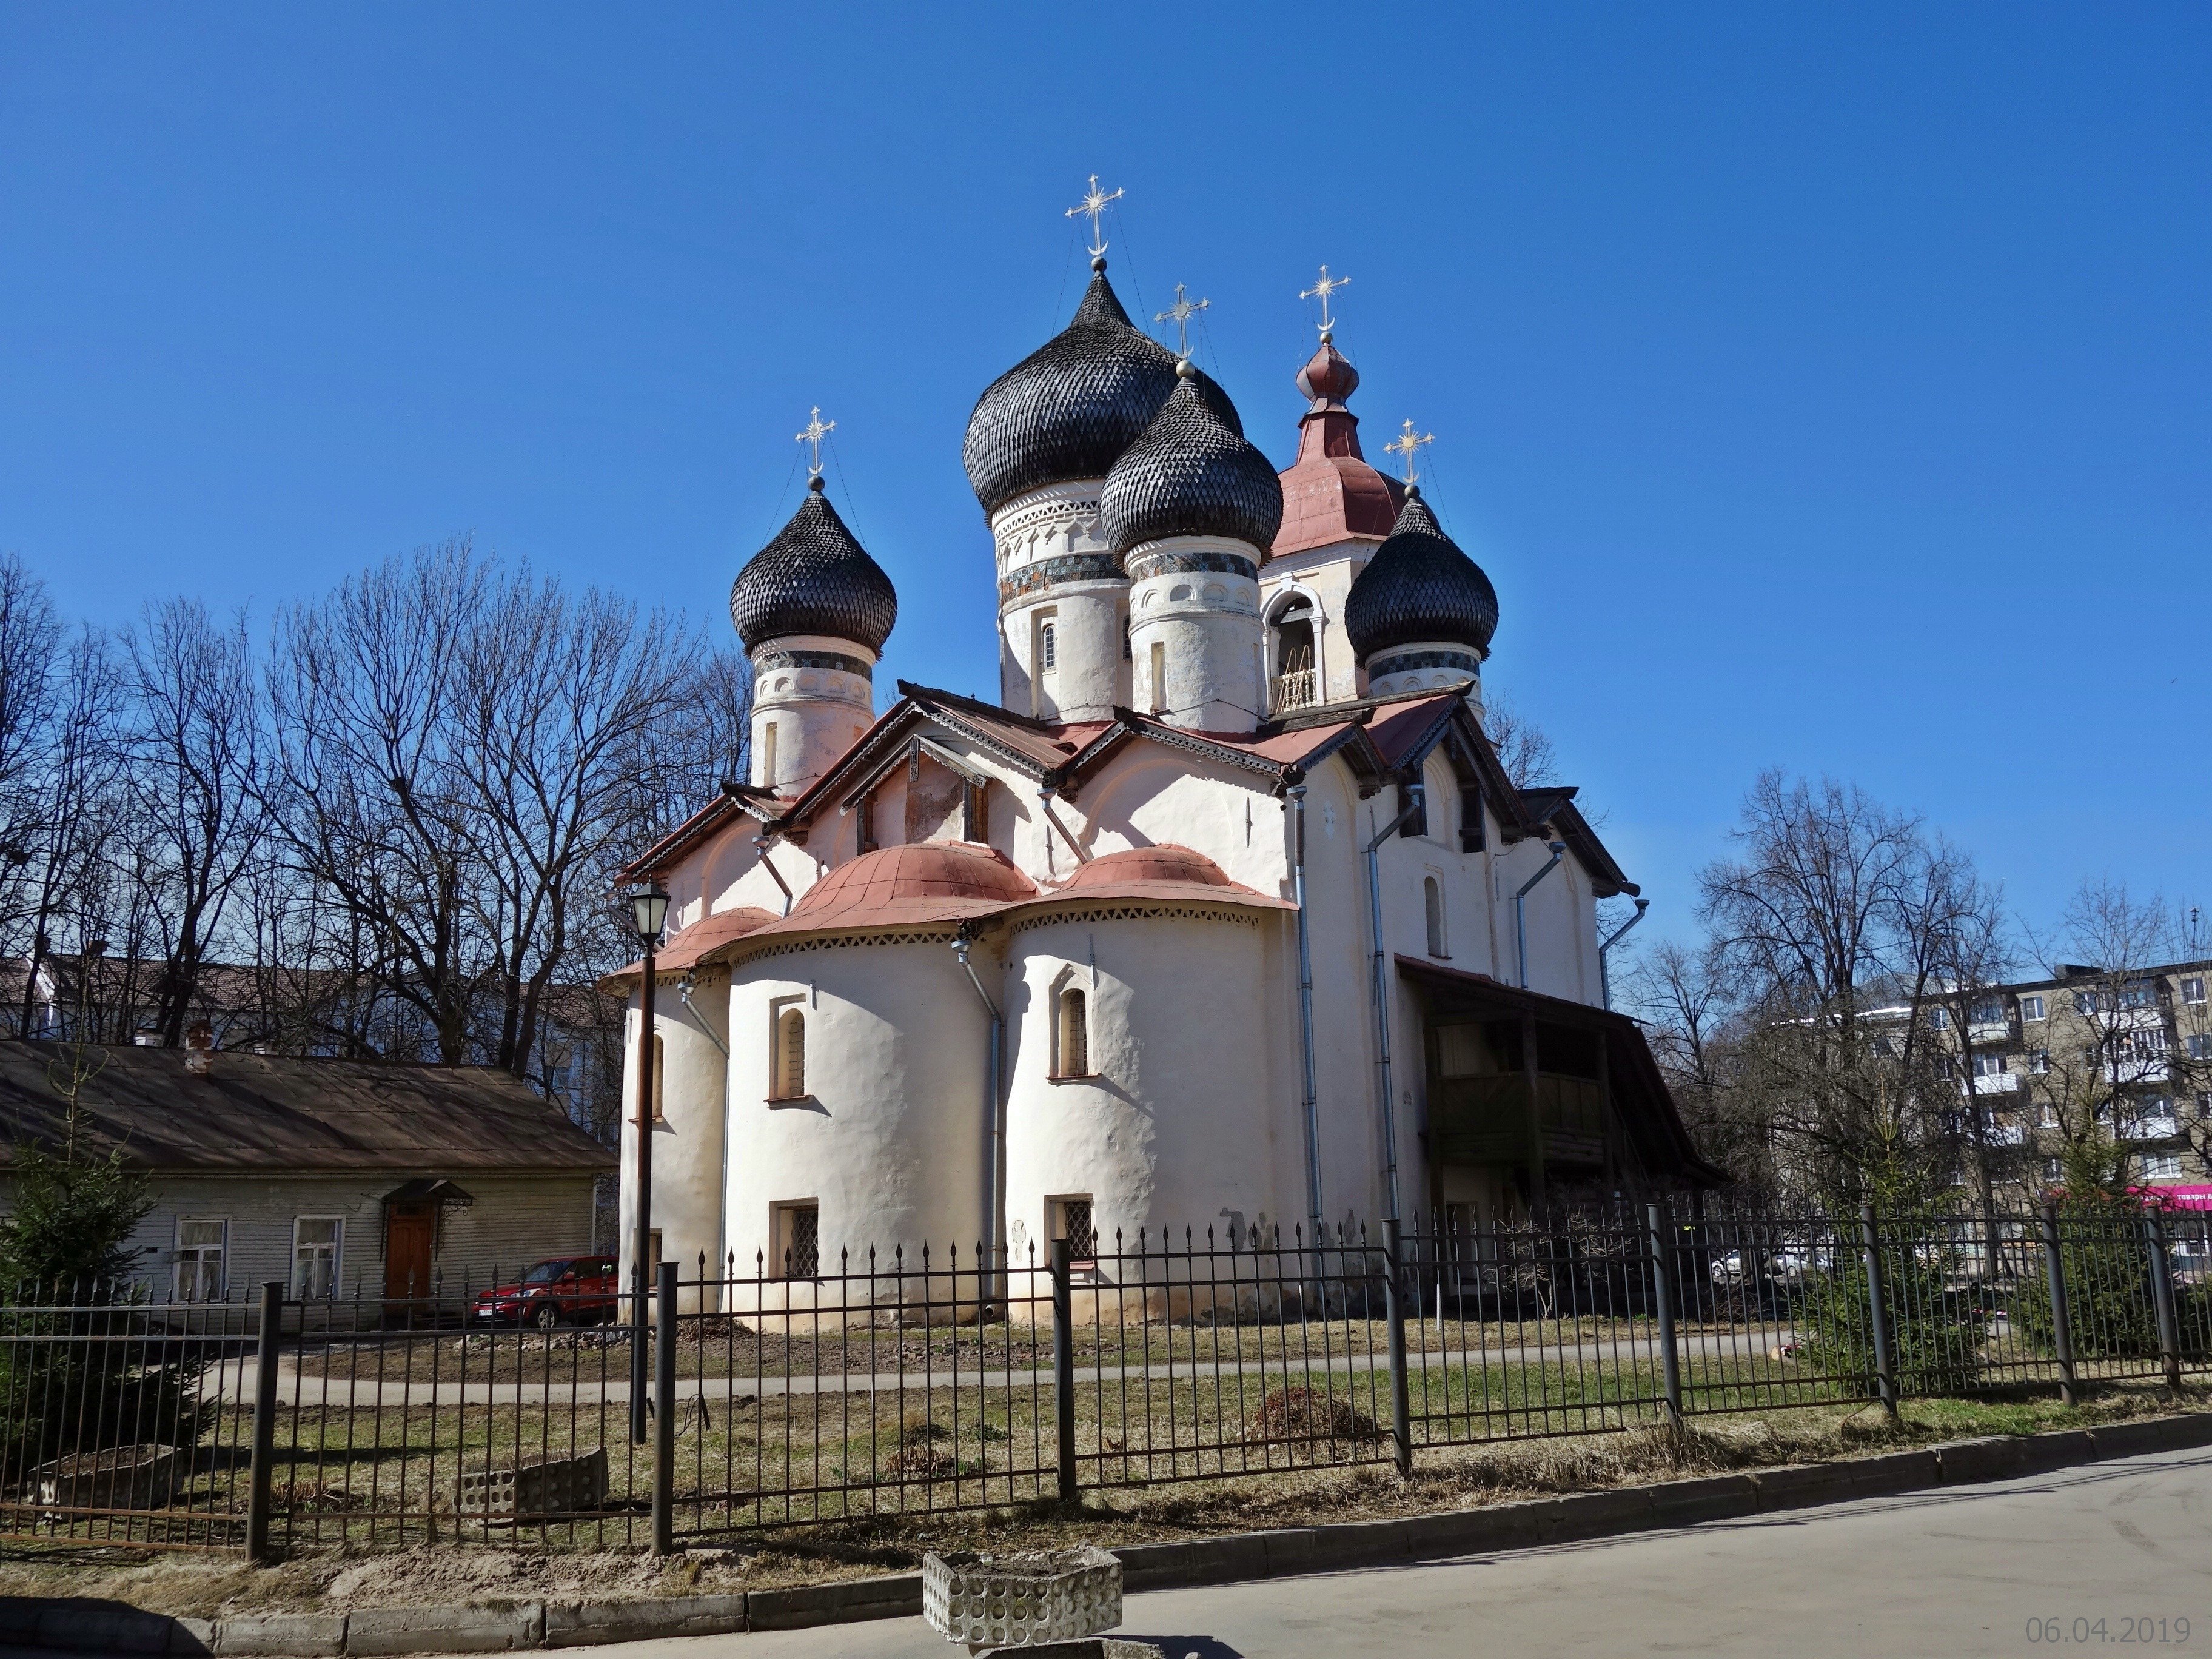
<point x="1190" y="475"/>
<point x="1419" y="586"/>
<point x="813" y="578"/>
<point x="1070" y="408"/>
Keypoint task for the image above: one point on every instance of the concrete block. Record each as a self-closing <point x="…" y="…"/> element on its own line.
<point x="1988" y="1457"/>
<point x="1799" y="1486"/>
<point x="587" y="1624"/>
<point x="19" y="1619"/>
<point x="1716" y="1498"/>
<point x="1289" y="1550"/>
<point x="1349" y="1543"/>
<point x="473" y="1627"/>
<point x="1891" y="1472"/>
<point x="314" y="1634"/>
<point x="1594" y="1514"/>
<point x="2154" y="1434"/>
<point x="102" y="1627"/>
<point x="191" y="1637"/>
<point x="2057" y="1450"/>
<point x="896" y="1595"/>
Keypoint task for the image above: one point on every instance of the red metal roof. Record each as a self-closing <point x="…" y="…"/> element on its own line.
<point x="688" y="946"/>
<point x="914" y="884"/>
<point x="1166" y="872"/>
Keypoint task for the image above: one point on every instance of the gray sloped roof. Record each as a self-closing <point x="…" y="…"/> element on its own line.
<point x="263" y="1114"/>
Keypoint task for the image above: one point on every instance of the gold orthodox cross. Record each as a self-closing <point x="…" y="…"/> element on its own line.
<point x="817" y="430"/>
<point x="1179" y="314"/>
<point x="1320" y="290"/>
<point x="1093" y="204"/>
<point x="1406" y="443"/>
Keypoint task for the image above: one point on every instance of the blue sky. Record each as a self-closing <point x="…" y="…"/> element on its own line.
<point x="1827" y="389"/>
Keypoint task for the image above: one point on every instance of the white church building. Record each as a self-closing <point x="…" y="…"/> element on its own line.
<point x="1224" y="914"/>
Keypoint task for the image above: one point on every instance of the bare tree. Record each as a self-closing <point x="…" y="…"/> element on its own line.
<point x="1828" y="929"/>
<point x="194" y="739"/>
<point x="1524" y="750"/>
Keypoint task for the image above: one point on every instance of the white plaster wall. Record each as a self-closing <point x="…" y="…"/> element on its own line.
<point x="1209" y="622"/>
<point x="1092" y="672"/>
<point x="1149" y="795"/>
<point x="1182" y="1119"/>
<point x="890" y="1141"/>
<point x="687" y="1146"/>
<point x="818" y="712"/>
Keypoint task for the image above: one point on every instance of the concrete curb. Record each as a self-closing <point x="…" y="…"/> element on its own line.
<point x="509" y="1626"/>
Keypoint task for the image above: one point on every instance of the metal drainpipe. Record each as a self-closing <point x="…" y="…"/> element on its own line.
<point x="761" y="844"/>
<point x="1383" y="999"/>
<point x="1520" y="913"/>
<point x="1296" y="793"/>
<point x="994" y="1204"/>
<point x="1044" y="796"/>
<point x="722" y="1205"/>
<point x="1604" y="977"/>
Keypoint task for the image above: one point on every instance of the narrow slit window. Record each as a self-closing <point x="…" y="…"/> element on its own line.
<point x="1048" y="648"/>
<point x="790" y="1055"/>
<point x="768" y="755"/>
<point x="1432" y="894"/>
<point x="1159" y="677"/>
<point x="1074" y="1034"/>
<point x="660" y="1076"/>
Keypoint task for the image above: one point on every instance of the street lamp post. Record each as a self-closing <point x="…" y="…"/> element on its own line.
<point x="649" y="912"/>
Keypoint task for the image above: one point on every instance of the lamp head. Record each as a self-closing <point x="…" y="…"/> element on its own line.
<point x="649" y="912"/>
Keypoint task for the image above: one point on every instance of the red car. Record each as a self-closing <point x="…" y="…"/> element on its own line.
<point x="564" y="1290"/>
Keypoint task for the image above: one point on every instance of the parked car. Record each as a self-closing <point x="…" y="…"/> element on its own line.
<point x="562" y="1290"/>
<point x="1786" y="1265"/>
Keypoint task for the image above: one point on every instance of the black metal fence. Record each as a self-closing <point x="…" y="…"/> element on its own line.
<point x="926" y="1382"/>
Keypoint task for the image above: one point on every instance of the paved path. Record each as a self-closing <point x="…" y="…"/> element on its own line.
<point x="1952" y="1573"/>
<point x="232" y="1378"/>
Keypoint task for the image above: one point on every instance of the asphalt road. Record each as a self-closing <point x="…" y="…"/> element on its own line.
<point x="2117" y="1556"/>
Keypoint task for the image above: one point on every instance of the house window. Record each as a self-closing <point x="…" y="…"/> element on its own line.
<point x="2050" y="1119"/>
<point x="1070" y="1218"/>
<point x="1991" y="1065"/>
<point x="1159" y="677"/>
<point x="796" y="1232"/>
<point x="787" y="1065"/>
<point x="1074" y="1034"/>
<point x="2031" y="1007"/>
<point x="1432" y="896"/>
<point x="2193" y="990"/>
<point x="2165" y="1166"/>
<point x="2200" y="1045"/>
<point x="1989" y="1013"/>
<point x="2051" y="1169"/>
<point x="2204" y="1103"/>
<point x="2139" y="994"/>
<point x="2085" y="1002"/>
<point x="1939" y="1019"/>
<point x="200" y="1259"/>
<point x="2038" y="1063"/>
<point x="315" y="1257"/>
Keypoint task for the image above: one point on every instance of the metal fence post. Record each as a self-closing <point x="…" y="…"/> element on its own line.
<point x="1885" y="1361"/>
<point x="1662" y="1302"/>
<point x="2061" y="1325"/>
<point x="1394" y="1314"/>
<point x="665" y="1335"/>
<point x="1063" y="1362"/>
<point x="2161" y="1294"/>
<point x="264" y="1420"/>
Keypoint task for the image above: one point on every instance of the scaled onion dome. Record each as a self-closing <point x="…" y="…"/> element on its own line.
<point x="1191" y="475"/>
<point x="1419" y="587"/>
<point x="813" y="578"/>
<point x="1070" y="408"/>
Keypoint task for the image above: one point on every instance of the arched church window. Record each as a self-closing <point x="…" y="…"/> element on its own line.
<point x="1432" y="894"/>
<point x="790" y="1055"/>
<point x="660" y="1076"/>
<point x="1048" y="648"/>
<point x="1291" y="637"/>
<point x="1074" y="1034"/>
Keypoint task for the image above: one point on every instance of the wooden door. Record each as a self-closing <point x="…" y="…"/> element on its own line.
<point x="410" y="1233"/>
